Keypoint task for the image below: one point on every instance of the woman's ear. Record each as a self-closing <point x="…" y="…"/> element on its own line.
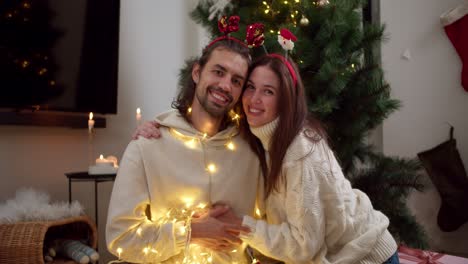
<point x="196" y="73"/>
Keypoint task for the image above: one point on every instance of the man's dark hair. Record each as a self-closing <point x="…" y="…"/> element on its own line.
<point x="186" y="85"/>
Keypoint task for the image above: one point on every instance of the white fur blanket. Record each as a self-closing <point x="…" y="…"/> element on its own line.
<point x="33" y="205"/>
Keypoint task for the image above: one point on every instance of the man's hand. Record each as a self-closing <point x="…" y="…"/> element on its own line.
<point x="225" y="214"/>
<point x="214" y="234"/>
<point x="149" y="129"/>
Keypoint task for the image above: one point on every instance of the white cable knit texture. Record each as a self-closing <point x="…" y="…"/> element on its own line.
<point x="317" y="217"/>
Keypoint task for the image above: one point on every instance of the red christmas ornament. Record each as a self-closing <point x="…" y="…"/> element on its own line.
<point x="233" y="24"/>
<point x="227" y="26"/>
<point x="223" y="24"/>
<point x="255" y="35"/>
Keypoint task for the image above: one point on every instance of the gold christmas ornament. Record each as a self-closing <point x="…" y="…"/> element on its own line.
<point x="304" y="21"/>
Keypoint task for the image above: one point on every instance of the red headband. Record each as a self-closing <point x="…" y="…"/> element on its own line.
<point x="225" y="37"/>
<point x="288" y="65"/>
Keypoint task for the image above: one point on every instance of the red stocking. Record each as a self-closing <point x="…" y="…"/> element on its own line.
<point x="455" y="23"/>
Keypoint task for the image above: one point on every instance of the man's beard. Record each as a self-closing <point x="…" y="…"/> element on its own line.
<point x="213" y="108"/>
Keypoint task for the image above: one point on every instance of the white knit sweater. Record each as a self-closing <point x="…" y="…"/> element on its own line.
<point x="317" y="217"/>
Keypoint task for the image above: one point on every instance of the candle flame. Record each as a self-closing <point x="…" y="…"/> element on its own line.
<point x="138" y="111"/>
<point x="90" y="115"/>
<point x="101" y="156"/>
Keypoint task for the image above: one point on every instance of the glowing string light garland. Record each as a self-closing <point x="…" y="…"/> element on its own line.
<point x="193" y="254"/>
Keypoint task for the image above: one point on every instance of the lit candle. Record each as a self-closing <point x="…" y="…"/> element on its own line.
<point x="90" y="122"/>
<point x="104" y="162"/>
<point x="138" y="115"/>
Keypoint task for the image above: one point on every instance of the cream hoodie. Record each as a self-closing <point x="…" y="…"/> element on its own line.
<point x="168" y="172"/>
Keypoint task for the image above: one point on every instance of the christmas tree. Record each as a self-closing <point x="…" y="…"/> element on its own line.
<point x="345" y="89"/>
<point x="27" y="64"/>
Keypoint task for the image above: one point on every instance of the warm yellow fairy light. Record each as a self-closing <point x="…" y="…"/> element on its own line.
<point x="265" y="3"/>
<point x="146" y="250"/>
<point x="297" y="1"/>
<point x="139" y="230"/>
<point x="205" y="135"/>
<point x="267" y="10"/>
<point x="42" y="71"/>
<point x="352" y="65"/>
<point x="201" y="205"/>
<point x="272" y="31"/>
<point x="182" y="230"/>
<point x="230" y="145"/>
<point x="292" y="15"/>
<point x="191" y="143"/>
<point x="211" y="168"/>
<point x="189" y="110"/>
<point x="119" y="251"/>
<point x="25" y="64"/>
<point x="210" y="259"/>
<point x="234" y="251"/>
<point x="257" y="212"/>
<point x="52" y="83"/>
<point x="188" y="201"/>
<point x="285" y="2"/>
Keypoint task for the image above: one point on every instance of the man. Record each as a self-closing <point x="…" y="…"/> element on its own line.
<point x="190" y="166"/>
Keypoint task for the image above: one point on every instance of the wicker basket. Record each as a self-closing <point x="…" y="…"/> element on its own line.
<point x="23" y="242"/>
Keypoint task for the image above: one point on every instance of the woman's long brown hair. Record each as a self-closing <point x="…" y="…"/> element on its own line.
<point x="293" y="116"/>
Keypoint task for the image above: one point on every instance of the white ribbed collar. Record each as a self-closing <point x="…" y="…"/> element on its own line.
<point x="265" y="132"/>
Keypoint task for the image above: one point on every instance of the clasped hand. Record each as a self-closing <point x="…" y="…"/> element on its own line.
<point x="218" y="229"/>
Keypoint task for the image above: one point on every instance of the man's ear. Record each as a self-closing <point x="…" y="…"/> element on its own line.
<point x="196" y="73"/>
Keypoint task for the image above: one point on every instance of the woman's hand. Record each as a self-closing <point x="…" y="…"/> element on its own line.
<point x="212" y="233"/>
<point x="149" y="129"/>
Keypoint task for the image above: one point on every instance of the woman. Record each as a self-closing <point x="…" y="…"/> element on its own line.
<point x="312" y="213"/>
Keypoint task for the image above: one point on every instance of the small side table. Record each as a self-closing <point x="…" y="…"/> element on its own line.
<point x="85" y="176"/>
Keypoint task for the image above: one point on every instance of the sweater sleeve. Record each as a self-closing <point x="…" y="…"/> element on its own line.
<point x="353" y="228"/>
<point x="300" y="237"/>
<point x="128" y="227"/>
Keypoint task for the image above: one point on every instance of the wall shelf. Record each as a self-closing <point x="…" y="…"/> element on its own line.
<point x="50" y="119"/>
